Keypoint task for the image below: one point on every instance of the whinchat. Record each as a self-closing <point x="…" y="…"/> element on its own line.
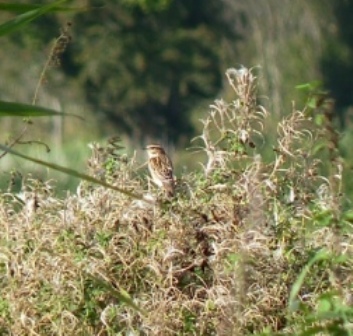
<point x="161" y="168"/>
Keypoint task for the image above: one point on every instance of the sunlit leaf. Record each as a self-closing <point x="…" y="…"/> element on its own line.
<point x="324" y="306"/>
<point x="310" y="86"/>
<point x="319" y="118"/>
<point x="312" y="102"/>
<point x="305" y="86"/>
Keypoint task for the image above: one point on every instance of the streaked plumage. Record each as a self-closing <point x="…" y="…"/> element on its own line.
<point x="161" y="168"/>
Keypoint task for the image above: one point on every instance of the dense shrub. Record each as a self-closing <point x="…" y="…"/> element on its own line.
<point x="247" y="246"/>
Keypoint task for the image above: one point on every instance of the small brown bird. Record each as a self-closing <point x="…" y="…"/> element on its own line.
<point x="161" y="168"/>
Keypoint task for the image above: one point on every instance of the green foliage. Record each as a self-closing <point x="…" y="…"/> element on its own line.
<point x="336" y="64"/>
<point x="293" y="303"/>
<point x="316" y="95"/>
<point x="165" y="60"/>
<point x="148" y="5"/>
<point x="158" y="42"/>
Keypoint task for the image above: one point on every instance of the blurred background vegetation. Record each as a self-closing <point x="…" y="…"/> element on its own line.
<point x="147" y="70"/>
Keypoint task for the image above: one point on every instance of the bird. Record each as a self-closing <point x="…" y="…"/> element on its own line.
<point x="161" y="169"/>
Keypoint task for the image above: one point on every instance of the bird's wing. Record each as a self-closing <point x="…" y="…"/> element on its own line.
<point x="167" y="170"/>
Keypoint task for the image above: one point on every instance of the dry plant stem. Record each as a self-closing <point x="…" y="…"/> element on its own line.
<point x="16" y="140"/>
<point x="56" y="48"/>
<point x="220" y="259"/>
<point x="34" y="100"/>
<point x="44" y="70"/>
<point x="56" y="51"/>
<point x="47" y="148"/>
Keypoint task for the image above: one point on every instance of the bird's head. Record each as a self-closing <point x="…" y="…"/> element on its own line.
<point x="154" y="150"/>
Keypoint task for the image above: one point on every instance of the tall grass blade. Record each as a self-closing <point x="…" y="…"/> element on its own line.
<point x="22" y="8"/>
<point x="72" y="172"/>
<point x="10" y="109"/>
<point x="121" y="294"/>
<point x="23" y="19"/>
<point x="293" y="302"/>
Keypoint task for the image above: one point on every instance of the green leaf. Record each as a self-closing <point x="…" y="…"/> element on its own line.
<point x="121" y="294"/>
<point x="22" y="8"/>
<point x="23" y="19"/>
<point x="293" y="304"/>
<point x="348" y="216"/>
<point x="72" y="172"/>
<point x="312" y="102"/>
<point x="324" y="306"/>
<point x="313" y="331"/>
<point x="323" y="218"/>
<point x="9" y="109"/>
<point x="320" y="146"/>
<point x="310" y="86"/>
<point x="319" y="118"/>
<point x="305" y="86"/>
